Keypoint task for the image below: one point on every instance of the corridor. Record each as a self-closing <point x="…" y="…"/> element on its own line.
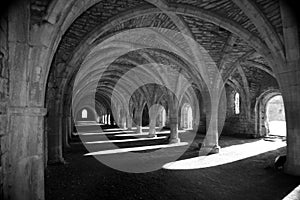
<point x="84" y="177"/>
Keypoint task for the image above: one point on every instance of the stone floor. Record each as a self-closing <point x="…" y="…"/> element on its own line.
<point x="248" y="174"/>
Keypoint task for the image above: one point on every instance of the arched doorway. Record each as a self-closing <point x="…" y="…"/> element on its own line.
<point x="186" y="116"/>
<point x="269" y="107"/>
<point x="275" y="116"/>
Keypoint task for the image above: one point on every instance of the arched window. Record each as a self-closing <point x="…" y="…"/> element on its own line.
<point x="84" y="114"/>
<point x="237" y="103"/>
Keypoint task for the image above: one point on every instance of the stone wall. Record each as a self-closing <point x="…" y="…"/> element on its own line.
<point x="3" y="98"/>
<point x="259" y="82"/>
<point x="236" y="124"/>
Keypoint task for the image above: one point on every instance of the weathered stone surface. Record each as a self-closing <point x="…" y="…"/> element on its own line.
<point x="271" y="10"/>
<point x="4" y="92"/>
<point x="26" y="79"/>
<point x="225" y="8"/>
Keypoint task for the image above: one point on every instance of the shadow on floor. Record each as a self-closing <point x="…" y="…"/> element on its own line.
<point x="252" y="178"/>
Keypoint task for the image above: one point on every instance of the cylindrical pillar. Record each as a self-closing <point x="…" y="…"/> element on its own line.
<point x="153" y="113"/>
<point x="129" y="122"/>
<point x="291" y="98"/>
<point x="173" y="123"/>
<point x="211" y="141"/>
<point x="26" y="158"/>
<point x="138" y="120"/>
<point x="55" y="142"/>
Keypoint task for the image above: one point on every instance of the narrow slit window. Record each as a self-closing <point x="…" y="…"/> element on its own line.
<point x="237" y="103"/>
<point x="84" y="114"/>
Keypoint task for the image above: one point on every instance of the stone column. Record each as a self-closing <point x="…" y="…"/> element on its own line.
<point x="211" y="141"/>
<point x="158" y="120"/>
<point x="196" y="119"/>
<point x="54" y="135"/>
<point x="180" y="120"/>
<point x="288" y="75"/>
<point x="122" y="120"/>
<point x="202" y="119"/>
<point x="123" y="123"/>
<point x="111" y="119"/>
<point x="173" y="123"/>
<point x="153" y="113"/>
<point x="70" y="127"/>
<point x="26" y="161"/>
<point x="291" y="97"/>
<point x="65" y="126"/>
<point x="139" y="129"/>
<point x="119" y="118"/>
<point x="138" y="120"/>
<point x="129" y="122"/>
<point x="167" y="123"/>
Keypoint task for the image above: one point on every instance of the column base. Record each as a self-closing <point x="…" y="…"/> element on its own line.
<point x="152" y="132"/>
<point x="152" y="135"/>
<point x="174" y="140"/>
<point x="139" y="130"/>
<point x="215" y="149"/>
<point x="292" y="170"/>
<point x="210" y="149"/>
<point x="67" y="146"/>
<point x="58" y="161"/>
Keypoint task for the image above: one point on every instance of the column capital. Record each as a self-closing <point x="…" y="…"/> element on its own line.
<point x="27" y="111"/>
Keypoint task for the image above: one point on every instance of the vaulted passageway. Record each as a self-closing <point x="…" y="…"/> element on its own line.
<point x="275" y="116"/>
<point x="71" y="69"/>
<point x="84" y="177"/>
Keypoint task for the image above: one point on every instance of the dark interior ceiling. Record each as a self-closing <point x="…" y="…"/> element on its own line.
<point x="226" y="49"/>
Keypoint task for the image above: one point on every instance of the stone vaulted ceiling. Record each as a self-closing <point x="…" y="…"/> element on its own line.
<point x="226" y="49"/>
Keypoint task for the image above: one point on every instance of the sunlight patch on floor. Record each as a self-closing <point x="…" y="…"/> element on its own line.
<point x="126" y="140"/>
<point x="106" y="133"/>
<point x="140" y="134"/>
<point x="88" y="123"/>
<point x="227" y="155"/>
<point x="135" y="149"/>
<point x="294" y="195"/>
<point x="147" y="133"/>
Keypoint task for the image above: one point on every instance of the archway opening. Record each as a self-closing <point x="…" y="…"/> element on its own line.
<point x="187" y="116"/>
<point x="162" y="117"/>
<point x="275" y="116"/>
